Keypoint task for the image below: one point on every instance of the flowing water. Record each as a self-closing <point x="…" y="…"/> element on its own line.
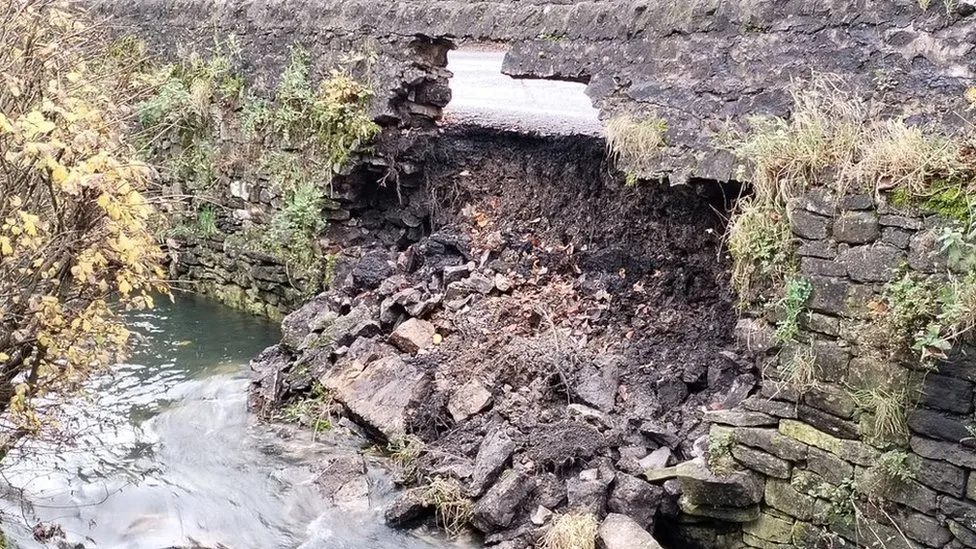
<point x="166" y="454"/>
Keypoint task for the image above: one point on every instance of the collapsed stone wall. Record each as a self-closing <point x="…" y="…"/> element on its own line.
<point x="815" y="473"/>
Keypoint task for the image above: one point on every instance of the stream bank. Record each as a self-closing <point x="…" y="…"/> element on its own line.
<point x="556" y="334"/>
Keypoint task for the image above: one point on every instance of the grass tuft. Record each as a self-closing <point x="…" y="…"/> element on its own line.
<point x="404" y="453"/>
<point x="452" y="510"/>
<point x="635" y="143"/>
<point x="889" y="408"/>
<point x="573" y="530"/>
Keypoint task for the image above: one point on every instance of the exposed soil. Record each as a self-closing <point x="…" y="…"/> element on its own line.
<point x="598" y="317"/>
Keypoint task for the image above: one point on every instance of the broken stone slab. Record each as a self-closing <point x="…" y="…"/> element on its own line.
<point x="492" y="456"/>
<point x="413" y="335"/>
<point x="595" y="417"/>
<point x="728" y="514"/>
<point x="498" y="507"/>
<point x="477" y="283"/>
<point x="470" y="399"/>
<point x="665" y="473"/>
<point x="588" y="493"/>
<point x="540" y="516"/>
<point x="502" y="283"/>
<point x="657" y="459"/>
<point x="740" y="418"/>
<point x="598" y="381"/>
<point x="379" y="393"/>
<point x="702" y="487"/>
<point x="358" y="322"/>
<point x="636" y="499"/>
<point x="771" y="441"/>
<point x="456" y="273"/>
<point x="621" y="532"/>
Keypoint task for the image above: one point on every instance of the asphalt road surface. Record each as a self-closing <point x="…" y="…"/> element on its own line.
<point x="482" y="95"/>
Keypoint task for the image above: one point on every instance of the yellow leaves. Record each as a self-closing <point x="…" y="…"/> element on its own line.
<point x="4" y="357"/>
<point x="35" y="124"/>
<point x="5" y="125"/>
<point x="124" y="287"/>
<point x="6" y="248"/>
<point x="971" y="97"/>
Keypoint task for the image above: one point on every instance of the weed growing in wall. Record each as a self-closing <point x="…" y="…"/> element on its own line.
<point x="573" y="530"/>
<point x="204" y="127"/>
<point x="634" y="143"/>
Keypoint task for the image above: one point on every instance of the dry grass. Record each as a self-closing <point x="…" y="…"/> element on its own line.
<point x="572" y="530"/>
<point x="634" y="143"/>
<point x="889" y="408"/>
<point x="404" y="453"/>
<point x="799" y="371"/>
<point x="452" y="509"/>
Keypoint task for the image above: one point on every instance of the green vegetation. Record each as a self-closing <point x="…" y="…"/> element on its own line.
<point x="298" y="141"/>
<point x="404" y="453"/>
<point x="895" y="467"/>
<point x="635" y="143"/>
<point x="573" y="530"/>
<point x="76" y="245"/>
<point x="793" y="305"/>
<point x="313" y="410"/>
<point x="452" y="510"/>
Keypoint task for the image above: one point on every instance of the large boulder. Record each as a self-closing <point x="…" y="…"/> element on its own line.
<point x="702" y="487"/>
<point x="378" y="393"/>
<point x="635" y="498"/>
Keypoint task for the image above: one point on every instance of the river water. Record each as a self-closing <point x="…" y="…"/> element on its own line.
<point x="166" y="454"/>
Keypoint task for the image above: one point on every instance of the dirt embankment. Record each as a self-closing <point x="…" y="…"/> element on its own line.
<point x="553" y="336"/>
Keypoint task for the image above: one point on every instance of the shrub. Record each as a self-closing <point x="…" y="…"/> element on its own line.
<point x="75" y="244"/>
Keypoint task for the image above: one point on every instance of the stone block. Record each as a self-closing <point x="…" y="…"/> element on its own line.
<point x="771" y="441"/>
<point x="963" y="512"/>
<point x="856" y="228"/>
<point x="776" y="408"/>
<point x="828" y="295"/>
<point x="909" y="493"/>
<point x="940" y="476"/>
<point x="875" y="263"/>
<point x="924" y="252"/>
<point x="900" y="221"/>
<point x="809" y="225"/>
<point x="702" y="487"/>
<point x="830" y="467"/>
<point x="925" y="529"/>
<point x="739" y="418"/>
<point x="860" y="201"/>
<point x="945" y="451"/>
<point x="636" y="499"/>
<point x="413" y="335"/>
<point x="770" y="528"/>
<point x="620" y="532"/>
<point x="814" y="266"/>
<point x="470" y="399"/>
<point x="754" y="334"/>
<point x="498" y="507"/>
<point x="818" y="200"/>
<point x="830" y="360"/>
<point x="961" y="364"/>
<point x="757" y="460"/>
<point x="830" y="399"/>
<point x="780" y="495"/>
<point x="963" y="535"/>
<point x="752" y="541"/>
<point x="933" y="424"/>
<point x="828" y="423"/>
<point x="948" y="393"/>
<point x="824" y="249"/>
<point x="896" y="237"/>
<point x="849" y="450"/>
<point x="728" y="514"/>
<point x="821" y="323"/>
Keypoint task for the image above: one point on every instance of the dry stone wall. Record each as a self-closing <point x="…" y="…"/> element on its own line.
<point x="817" y="473"/>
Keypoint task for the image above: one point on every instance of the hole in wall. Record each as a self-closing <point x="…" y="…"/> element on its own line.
<point x="483" y="96"/>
